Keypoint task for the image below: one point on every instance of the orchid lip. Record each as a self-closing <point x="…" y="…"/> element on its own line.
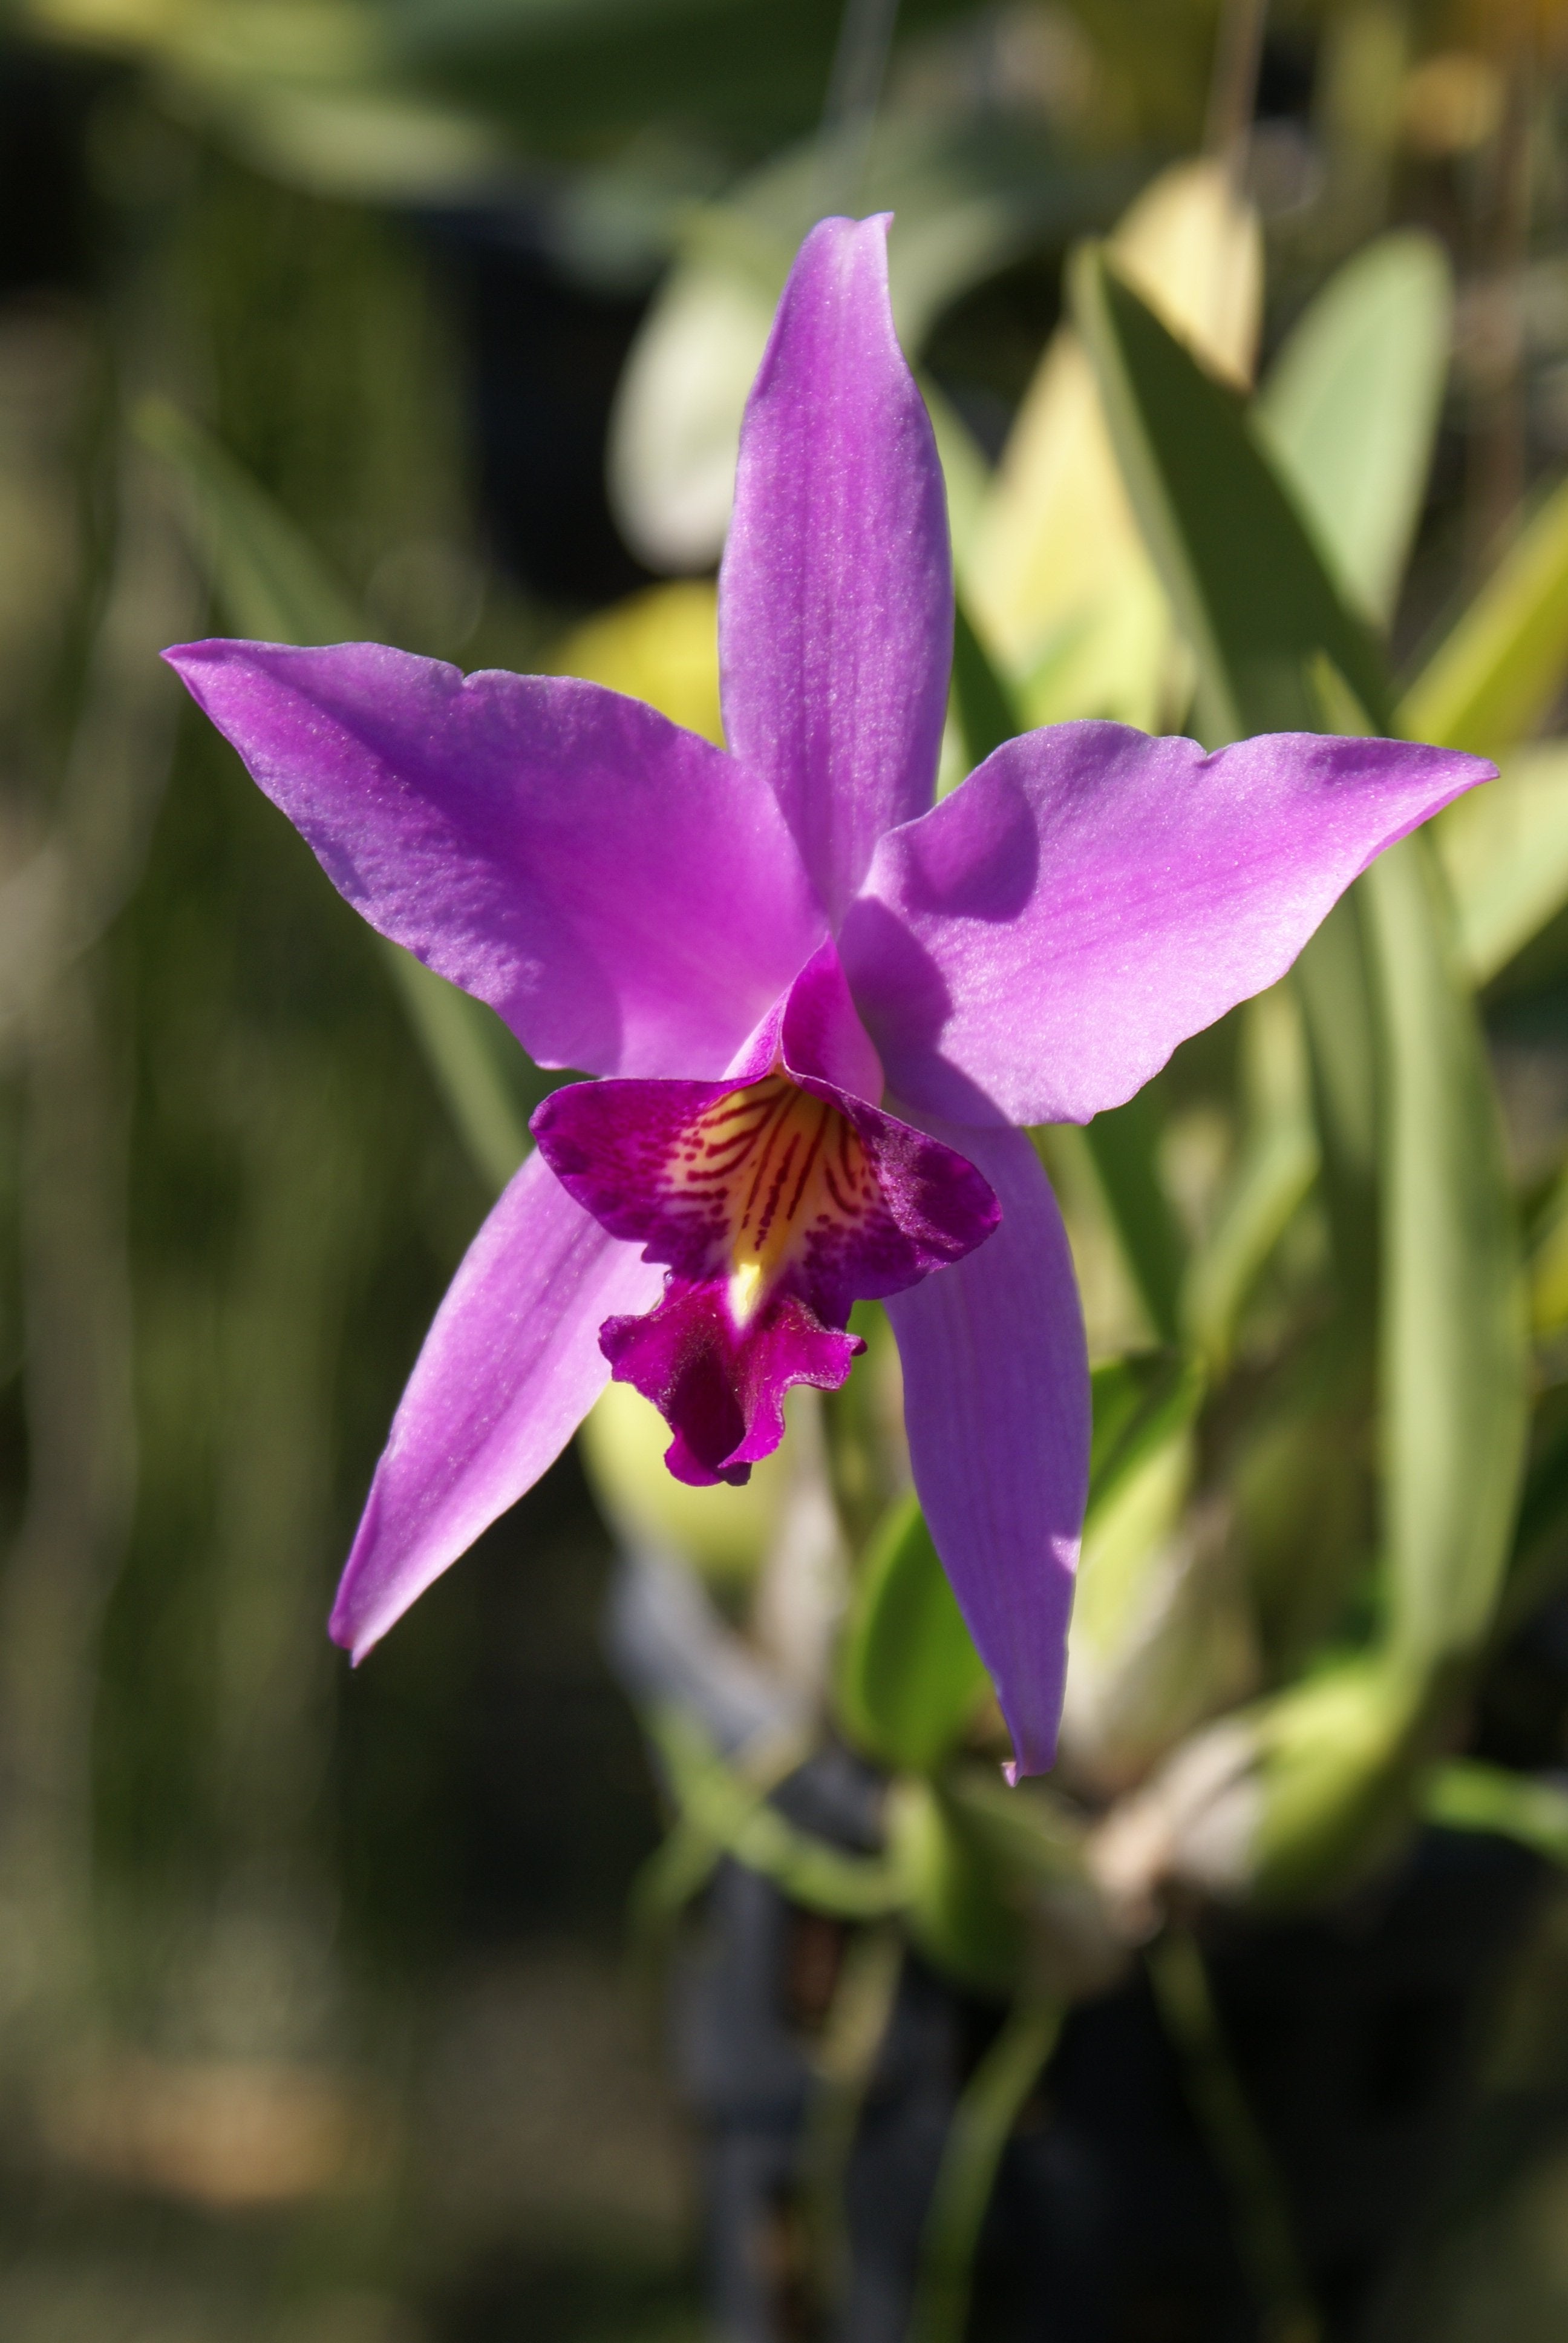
<point x="776" y="1204"/>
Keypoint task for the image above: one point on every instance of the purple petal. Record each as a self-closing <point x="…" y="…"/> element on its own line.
<point x="509" y="1371"/>
<point x="836" y="605"/>
<point x="996" y="1404"/>
<point x="1034" y="947"/>
<point x="721" y="1387"/>
<point x="626" y="895"/>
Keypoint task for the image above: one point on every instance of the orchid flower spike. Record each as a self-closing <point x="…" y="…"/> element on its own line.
<point x="822" y="1010"/>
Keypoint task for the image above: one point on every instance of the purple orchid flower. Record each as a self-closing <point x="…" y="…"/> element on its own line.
<point x="822" y="1009"/>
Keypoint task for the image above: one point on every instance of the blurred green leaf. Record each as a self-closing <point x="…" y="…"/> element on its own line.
<point x="1160" y="1637"/>
<point x="1350" y="409"/>
<point x="1275" y="1167"/>
<point x="909" y="1675"/>
<point x="1332" y="982"/>
<point x="1263" y="618"/>
<point x="1141" y="1402"/>
<point x="1260" y="2204"/>
<point x="1057" y="573"/>
<point x="985" y="709"/>
<point x="1248" y="586"/>
<point x="1455" y="1360"/>
<point x="1504" y="853"/>
<point x="1470" y="1796"/>
<point x="960" y="1903"/>
<point x="1037" y="1836"/>
<point x="274" y="588"/>
<point x="967" y="199"/>
<point x="1496" y="673"/>
<point x="722" y="1806"/>
<point x="1124" y="1146"/>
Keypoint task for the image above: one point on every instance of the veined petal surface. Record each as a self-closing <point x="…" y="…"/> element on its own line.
<point x="996" y="1409"/>
<point x="626" y="895"/>
<point x="836" y="600"/>
<point x="776" y="1198"/>
<point x="1033" y="949"/>
<point x="509" y="1369"/>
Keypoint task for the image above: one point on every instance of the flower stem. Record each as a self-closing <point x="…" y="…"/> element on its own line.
<point x="1262" y="2224"/>
<point x="982" y="2125"/>
<point x="845" y="2060"/>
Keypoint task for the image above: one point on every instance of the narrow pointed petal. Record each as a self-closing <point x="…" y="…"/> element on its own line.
<point x="836" y="605"/>
<point x="625" y="894"/>
<point x="996" y="1404"/>
<point x="1034" y="947"/>
<point x="509" y="1371"/>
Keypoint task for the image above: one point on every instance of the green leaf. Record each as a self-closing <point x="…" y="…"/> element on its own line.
<point x="1333" y="985"/>
<point x="1259" y="2203"/>
<point x="1468" y="1796"/>
<point x="1504" y="853"/>
<point x="722" y="1806"/>
<point x="1122" y="1144"/>
<point x="1248" y="586"/>
<point x="960" y="1904"/>
<point x="1142" y="1401"/>
<point x="1495" y="675"/>
<point x="273" y="587"/>
<point x="908" y="1675"/>
<point x="1350" y="409"/>
<point x="1274" y="1169"/>
<point x="1455" y="1356"/>
<point x="987" y="711"/>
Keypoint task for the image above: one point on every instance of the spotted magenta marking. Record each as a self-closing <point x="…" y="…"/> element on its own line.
<point x="773" y="1169"/>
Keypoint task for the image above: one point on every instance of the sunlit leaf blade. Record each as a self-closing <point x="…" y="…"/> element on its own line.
<point x="1158" y="1638"/>
<point x="1495" y="675"/>
<point x="1468" y="1796"/>
<point x="1455" y="1357"/>
<point x="909" y="1675"/>
<point x="1504" y="853"/>
<point x="1140" y="1401"/>
<point x="273" y="587"/>
<point x="1350" y="409"/>
<point x="1057" y="570"/>
<point x="1249" y="588"/>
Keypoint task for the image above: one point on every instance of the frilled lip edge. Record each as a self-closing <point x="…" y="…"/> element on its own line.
<point x="720" y="1385"/>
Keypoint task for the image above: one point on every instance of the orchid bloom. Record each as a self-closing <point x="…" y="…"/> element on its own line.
<point x="823" y="1010"/>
